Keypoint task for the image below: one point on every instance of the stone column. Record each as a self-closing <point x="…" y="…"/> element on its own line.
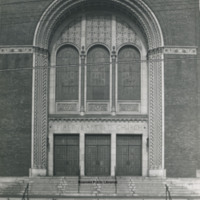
<point x="156" y="114"/>
<point x="82" y="106"/>
<point x="39" y="113"/>
<point x="82" y="154"/>
<point x="113" y="154"/>
<point x="113" y="81"/>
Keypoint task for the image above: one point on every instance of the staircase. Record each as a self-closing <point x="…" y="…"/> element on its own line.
<point x="99" y="187"/>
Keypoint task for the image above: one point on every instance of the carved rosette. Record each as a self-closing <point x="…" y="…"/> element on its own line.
<point x="155" y="111"/>
<point x="40" y="109"/>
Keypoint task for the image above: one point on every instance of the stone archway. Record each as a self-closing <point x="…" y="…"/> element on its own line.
<point x="49" y="21"/>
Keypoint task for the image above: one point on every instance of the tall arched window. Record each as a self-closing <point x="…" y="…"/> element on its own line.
<point x="129" y="74"/>
<point x="67" y="74"/>
<point x="98" y="73"/>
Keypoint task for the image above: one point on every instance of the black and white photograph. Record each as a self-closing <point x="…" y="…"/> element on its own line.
<point x="99" y="99"/>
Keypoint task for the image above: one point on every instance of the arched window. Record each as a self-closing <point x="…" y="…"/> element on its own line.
<point x="67" y="74"/>
<point x="98" y="73"/>
<point x="129" y="74"/>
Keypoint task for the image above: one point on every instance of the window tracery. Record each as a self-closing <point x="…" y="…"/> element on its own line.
<point x="95" y="81"/>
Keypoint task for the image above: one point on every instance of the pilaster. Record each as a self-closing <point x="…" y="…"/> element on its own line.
<point x="83" y="56"/>
<point x="39" y="112"/>
<point x="156" y="114"/>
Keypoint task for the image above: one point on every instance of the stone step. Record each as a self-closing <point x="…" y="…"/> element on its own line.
<point x="99" y="186"/>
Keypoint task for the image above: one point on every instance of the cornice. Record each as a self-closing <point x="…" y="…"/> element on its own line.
<point x="64" y="118"/>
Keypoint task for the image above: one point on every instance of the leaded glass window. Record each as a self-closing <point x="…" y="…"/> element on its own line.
<point x="98" y="73"/>
<point x="129" y="74"/>
<point x="67" y="74"/>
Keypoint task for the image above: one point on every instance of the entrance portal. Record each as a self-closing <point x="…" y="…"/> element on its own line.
<point x="97" y="155"/>
<point x="129" y="155"/>
<point x="66" y="155"/>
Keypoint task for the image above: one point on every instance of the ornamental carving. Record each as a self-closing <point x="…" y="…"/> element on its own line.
<point x="92" y="107"/>
<point x="125" y="34"/>
<point x="67" y="107"/>
<point x="98" y="127"/>
<point x="99" y="29"/>
<point x="72" y="33"/>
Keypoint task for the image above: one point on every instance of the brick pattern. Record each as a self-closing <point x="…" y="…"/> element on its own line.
<point x="15" y="114"/>
<point x="181" y="141"/>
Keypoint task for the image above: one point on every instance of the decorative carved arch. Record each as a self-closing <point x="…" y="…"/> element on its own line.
<point x="57" y="11"/>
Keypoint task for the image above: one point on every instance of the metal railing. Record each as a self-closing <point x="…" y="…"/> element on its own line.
<point x="25" y="194"/>
<point x="168" y="194"/>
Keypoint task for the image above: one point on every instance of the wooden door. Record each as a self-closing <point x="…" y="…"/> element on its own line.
<point x="97" y="155"/>
<point x="66" y="155"/>
<point x="129" y="155"/>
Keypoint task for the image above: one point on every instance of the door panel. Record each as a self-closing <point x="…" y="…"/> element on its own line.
<point x="66" y="155"/>
<point x="97" y="155"/>
<point x="129" y="148"/>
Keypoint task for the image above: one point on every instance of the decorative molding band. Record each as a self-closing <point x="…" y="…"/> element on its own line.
<point x="103" y="119"/>
<point x="181" y="50"/>
<point x="16" y="49"/>
<point x="174" y="50"/>
<point x="21" y="49"/>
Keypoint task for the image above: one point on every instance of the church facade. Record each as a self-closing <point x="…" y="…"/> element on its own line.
<point x="100" y="88"/>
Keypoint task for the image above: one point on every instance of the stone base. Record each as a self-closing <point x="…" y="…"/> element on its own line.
<point x="37" y="172"/>
<point x="198" y="173"/>
<point x="157" y="173"/>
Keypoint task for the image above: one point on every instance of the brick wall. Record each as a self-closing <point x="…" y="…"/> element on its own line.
<point x="177" y="20"/>
<point x="181" y="144"/>
<point x="18" y="20"/>
<point x="15" y="114"/>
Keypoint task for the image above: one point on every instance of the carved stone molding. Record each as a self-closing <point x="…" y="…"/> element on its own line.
<point x="174" y="50"/>
<point x="136" y="118"/>
<point x="16" y="49"/>
<point x="136" y="8"/>
<point x="98" y="126"/>
<point x="180" y="50"/>
<point x="40" y="105"/>
<point x="156" y="112"/>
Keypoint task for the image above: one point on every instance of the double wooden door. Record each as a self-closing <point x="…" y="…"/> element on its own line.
<point x="66" y="155"/>
<point x="129" y="155"/>
<point x="97" y="155"/>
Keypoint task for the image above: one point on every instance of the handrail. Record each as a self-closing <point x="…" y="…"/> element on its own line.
<point x="168" y="194"/>
<point x="25" y="194"/>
